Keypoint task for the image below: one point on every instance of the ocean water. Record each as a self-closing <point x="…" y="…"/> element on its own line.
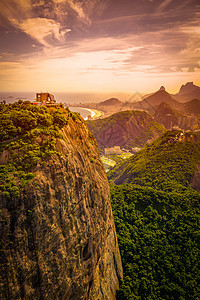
<point x="68" y="98"/>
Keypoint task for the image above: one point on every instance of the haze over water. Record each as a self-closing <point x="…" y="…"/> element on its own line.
<point x="70" y="98"/>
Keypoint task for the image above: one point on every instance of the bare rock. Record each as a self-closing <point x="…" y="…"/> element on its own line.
<point x="59" y="239"/>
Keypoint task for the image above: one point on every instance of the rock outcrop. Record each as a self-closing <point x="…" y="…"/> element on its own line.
<point x="126" y="129"/>
<point x="187" y="92"/>
<point x="58" y="237"/>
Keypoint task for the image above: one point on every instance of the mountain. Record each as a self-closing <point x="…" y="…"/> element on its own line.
<point x="189" y="87"/>
<point x="111" y="101"/>
<point x="192" y="107"/>
<point x="184" y="118"/>
<point x="110" y="106"/>
<point x="155" y="99"/>
<point x="166" y="115"/>
<point x="156" y="205"/>
<point x="170" y="161"/>
<point x="187" y="92"/>
<point x="126" y="129"/>
<point x="58" y="238"/>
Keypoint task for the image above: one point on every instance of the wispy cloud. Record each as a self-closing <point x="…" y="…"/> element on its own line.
<point x="45" y="21"/>
<point x="99" y="43"/>
<point x="41" y="29"/>
<point x="164" y="4"/>
<point x="10" y="9"/>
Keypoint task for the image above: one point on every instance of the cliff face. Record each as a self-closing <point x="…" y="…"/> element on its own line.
<point x="58" y="237"/>
<point x="126" y="129"/>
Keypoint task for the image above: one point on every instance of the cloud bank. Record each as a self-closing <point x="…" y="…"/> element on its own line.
<point x="108" y="44"/>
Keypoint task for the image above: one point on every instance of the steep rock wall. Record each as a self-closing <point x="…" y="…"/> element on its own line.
<point x="58" y="237"/>
<point x="126" y="129"/>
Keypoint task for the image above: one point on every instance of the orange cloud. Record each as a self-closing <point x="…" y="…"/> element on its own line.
<point x="41" y="29"/>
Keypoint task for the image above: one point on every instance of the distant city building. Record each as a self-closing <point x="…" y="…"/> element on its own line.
<point x="113" y="150"/>
<point x="169" y="121"/>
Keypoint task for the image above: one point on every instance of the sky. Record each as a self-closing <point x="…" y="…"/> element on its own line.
<point x="99" y="45"/>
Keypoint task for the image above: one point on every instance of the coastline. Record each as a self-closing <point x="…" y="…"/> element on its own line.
<point x="94" y="113"/>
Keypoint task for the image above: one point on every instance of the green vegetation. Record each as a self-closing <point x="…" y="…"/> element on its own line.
<point x="116" y="157"/>
<point x="159" y="241"/>
<point x="157" y="217"/>
<point x="165" y="164"/>
<point x="27" y="137"/>
<point x="100" y="124"/>
<point x="18" y="118"/>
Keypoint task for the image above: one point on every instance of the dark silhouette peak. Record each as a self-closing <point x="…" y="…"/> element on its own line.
<point x="163" y="109"/>
<point x="188" y="88"/>
<point x="162" y="93"/>
<point x="111" y="101"/>
<point x="162" y="88"/>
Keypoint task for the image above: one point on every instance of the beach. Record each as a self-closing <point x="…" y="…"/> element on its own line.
<point x="85" y="112"/>
<point x="95" y="114"/>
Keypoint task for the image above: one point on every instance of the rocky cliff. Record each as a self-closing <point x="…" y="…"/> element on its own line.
<point x="58" y="235"/>
<point x="126" y="129"/>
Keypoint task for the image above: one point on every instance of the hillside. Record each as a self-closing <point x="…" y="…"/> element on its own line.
<point x="158" y="234"/>
<point x="126" y="129"/>
<point x="183" y="118"/>
<point x="58" y="238"/>
<point x="192" y="107"/>
<point x="166" y="115"/>
<point x="187" y="92"/>
<point x="155" y="99"/>
<point x="156" y="208"/>
<point x="110" y="102"/>
<point x="169" y="163"/>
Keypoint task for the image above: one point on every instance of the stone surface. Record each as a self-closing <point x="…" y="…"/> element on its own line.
<point x="59" y="239"/>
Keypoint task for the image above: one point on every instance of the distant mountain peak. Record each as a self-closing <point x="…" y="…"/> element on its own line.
<point x="188" y="87"/>
<point x="111" y="101"/>
<point x="162" y="88"/>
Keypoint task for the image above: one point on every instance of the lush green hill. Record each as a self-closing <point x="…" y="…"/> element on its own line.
<point x="27" y="138"/>
<point x="127" y="129"/>
<point x="157" y="220"/>
<point x="159" y="240"/>
<point x="169" y="163"/>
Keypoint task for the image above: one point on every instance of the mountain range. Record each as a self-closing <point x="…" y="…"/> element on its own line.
<point x="186" y="102"/>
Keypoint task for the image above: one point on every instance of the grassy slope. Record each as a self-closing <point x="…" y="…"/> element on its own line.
<point x="165" y="164"/>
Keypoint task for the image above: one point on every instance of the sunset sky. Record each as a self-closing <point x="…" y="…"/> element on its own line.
<point x="99" y="45"/>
